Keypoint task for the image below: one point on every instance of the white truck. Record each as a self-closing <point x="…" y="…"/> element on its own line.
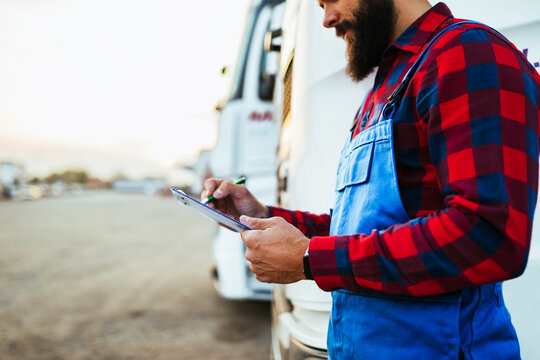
<point x="12" y="179"/>
<point x="247" y="144"/>
<point x="316" y="103"/>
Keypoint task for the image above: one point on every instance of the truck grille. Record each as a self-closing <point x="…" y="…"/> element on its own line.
<point x="287" y="87"/>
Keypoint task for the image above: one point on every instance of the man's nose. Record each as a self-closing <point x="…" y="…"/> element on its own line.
<point x="331" y="17"/>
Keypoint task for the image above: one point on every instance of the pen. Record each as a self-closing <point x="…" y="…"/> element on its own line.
<point x="237" y="182"/>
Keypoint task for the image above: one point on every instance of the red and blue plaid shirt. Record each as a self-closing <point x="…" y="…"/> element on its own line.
<point x="466" y="147"/>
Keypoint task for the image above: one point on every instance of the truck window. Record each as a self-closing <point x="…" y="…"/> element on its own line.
<point x="237" y="86"/>
<point x="270" y="60"/>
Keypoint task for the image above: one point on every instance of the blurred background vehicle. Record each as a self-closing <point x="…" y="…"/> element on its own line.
<point x="315" y="104"/>
<point x="12" y="179"/>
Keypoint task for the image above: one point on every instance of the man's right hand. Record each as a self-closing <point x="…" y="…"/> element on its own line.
<point x="233" y="200"/>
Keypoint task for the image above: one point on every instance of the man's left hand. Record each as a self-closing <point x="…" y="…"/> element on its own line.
<point x="275" y="250"/>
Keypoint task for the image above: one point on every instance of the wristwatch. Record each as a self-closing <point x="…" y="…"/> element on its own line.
<point x="307" y="268"/>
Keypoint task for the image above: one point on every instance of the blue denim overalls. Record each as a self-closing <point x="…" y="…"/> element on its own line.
<point x="469" y="324"/>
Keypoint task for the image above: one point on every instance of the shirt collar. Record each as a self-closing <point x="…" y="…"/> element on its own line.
<point x="416" y="35"/>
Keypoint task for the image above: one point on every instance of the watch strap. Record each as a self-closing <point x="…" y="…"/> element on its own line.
<point x="307" y="267"/>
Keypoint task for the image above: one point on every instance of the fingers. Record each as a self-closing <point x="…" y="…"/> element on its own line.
<point x="227" y="187"/>
<point x="251" y="257"/>
<point x="259" y="273"/>
<point x="209" y="187"/>
<point x="223" y="190"/>
<point x="252" y="240"/>
<point x="220" y="188"/>
<point x="258" y="224"/>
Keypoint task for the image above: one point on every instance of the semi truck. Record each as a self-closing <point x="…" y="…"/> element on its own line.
<point x="315" y="104"/>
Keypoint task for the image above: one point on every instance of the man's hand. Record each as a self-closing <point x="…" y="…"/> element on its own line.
<point x="233" y="200"/>
<point x="275" y="250"/>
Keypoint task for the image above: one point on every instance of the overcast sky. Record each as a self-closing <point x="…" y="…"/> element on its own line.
<point x="112" y="85"/>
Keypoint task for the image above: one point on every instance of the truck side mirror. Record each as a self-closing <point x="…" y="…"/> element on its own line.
<point x="269" y="63"/>
<point x="269" y="43"/>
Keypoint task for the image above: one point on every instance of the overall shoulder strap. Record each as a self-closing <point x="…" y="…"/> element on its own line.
<point x="423" y="55"/>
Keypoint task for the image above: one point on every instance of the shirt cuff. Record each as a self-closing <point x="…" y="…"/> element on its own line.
<point x="322" y="261"/>
<point x="274" y="211"/>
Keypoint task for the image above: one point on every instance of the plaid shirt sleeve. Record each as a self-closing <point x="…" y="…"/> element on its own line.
<point x="481" y="126"/>
<point x="309" y="224"/>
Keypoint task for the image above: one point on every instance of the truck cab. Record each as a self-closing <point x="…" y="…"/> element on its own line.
<point x="246" y="145"/>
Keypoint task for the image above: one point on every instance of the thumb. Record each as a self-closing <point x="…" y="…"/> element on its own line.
<point x="254" y="223"/>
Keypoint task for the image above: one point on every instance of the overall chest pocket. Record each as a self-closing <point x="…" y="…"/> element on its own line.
<point x="355" y="166"/>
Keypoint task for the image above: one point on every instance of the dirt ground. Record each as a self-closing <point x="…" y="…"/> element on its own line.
<point x="116" y="276"/>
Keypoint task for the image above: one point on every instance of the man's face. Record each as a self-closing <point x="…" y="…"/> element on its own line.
<point x="367" y="27"/>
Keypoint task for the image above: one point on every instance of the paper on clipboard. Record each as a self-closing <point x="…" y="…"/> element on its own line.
<point x="207" y="211"/>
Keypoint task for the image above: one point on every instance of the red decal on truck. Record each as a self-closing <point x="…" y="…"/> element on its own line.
<point x="257" y="116"/>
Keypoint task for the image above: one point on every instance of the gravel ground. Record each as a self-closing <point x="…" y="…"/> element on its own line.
<point x="116" y="276"/>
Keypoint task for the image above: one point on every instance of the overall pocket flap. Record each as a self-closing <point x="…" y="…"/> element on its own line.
<point x="355" y="167"/>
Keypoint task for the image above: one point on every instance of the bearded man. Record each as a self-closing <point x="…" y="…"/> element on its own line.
<point x="435" y="192"/>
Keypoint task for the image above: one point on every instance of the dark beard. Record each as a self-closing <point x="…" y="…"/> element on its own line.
<point x="372" y="30"/>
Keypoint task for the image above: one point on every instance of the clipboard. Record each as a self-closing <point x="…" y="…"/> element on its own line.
<point x="207" y="211"/>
